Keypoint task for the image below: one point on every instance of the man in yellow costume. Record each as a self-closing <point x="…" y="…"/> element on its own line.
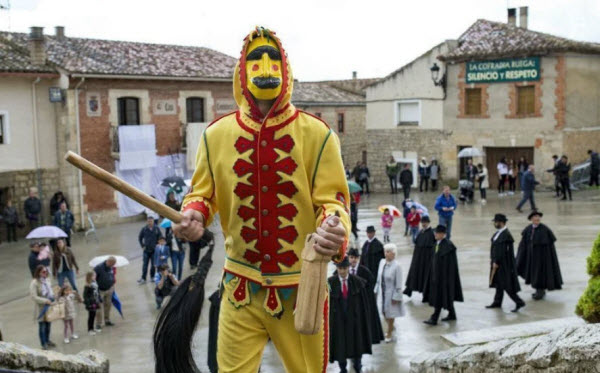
<point x="275" y="175"/>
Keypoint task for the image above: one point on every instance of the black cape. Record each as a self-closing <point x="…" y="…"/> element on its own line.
<point x="213" y="330"/>
<point x="371" y="257"/>
<point x="442" y="286"/>
<point x="421" y="262"/>
<point x="502" y="252"/>
<point x="349" y="327"/>
<point x="370" y="282"/>
<point x="537" y="261"/>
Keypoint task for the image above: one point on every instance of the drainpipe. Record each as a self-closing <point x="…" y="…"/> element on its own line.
<point x="79" y="173"/>
<point x="36" y="145"/>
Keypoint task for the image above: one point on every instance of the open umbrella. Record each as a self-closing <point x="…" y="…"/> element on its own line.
<point x="354" y="187"/>
<point x="117" y="303"/>
<point x="121" y="260"/>
<point x="470" y="153"/>
<point x="46" y="231"/>
<point x="166" y="223"/>
<point x="420" y="208"/>
<point x="173" y="182"/>
<point x="393" y="210"/>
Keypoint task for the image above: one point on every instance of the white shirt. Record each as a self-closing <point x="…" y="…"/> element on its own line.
<point x="353" y="270"/>
<point x="498" y="233"/>
<point x="369" y="240"/>
<point x="342" y="281"/>
<point x="502" y="168"/>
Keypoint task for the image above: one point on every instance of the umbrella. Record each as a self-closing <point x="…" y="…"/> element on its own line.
<point x="354" y="187"/>
<point x="46" y="231"/>
<point x="173" y="181"/>
<point x="393" y="210"/>
<point x="166" y="223"/>
<point x="470" y="153"/>
<point x="121" y="260"/>
<point x="117" y="303"/>
<point x="420" y="208"/>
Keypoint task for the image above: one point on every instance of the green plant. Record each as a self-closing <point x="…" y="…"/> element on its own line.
<point x="588" y="306"/>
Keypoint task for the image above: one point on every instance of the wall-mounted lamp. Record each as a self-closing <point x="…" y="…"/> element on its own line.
<point x="437" y="80"/>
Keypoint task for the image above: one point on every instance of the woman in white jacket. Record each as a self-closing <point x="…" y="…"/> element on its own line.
<point x="389" y="288"/>
<point x="484" y="182"/>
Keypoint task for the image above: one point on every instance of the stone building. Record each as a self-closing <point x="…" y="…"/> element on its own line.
<point x="502" y="88"/>
<point x="341" y="104"/>
<point x="108" y="84"/>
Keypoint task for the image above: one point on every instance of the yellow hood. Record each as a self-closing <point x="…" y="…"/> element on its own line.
<point x="249" y="113"/>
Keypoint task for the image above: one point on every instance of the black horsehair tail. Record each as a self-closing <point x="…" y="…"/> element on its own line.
<point x="176" y="323"/>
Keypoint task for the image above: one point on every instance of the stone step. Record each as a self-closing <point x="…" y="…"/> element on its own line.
<point x="479" y="336"/>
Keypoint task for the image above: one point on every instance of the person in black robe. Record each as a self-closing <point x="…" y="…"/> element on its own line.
<point x="537" y="262"/>
<point x="372" y="252"/>
<point x="503" y="269"/>
<point x="363" y="272"/>
<point x="421" y="260"/>
<point x="350" y="330"/>
<point x="442" y="287"/>
<point x="213" y="330"/>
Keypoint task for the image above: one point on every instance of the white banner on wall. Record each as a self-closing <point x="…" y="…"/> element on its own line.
<point x="137" y="147"/>
<point x="193" y="136"/>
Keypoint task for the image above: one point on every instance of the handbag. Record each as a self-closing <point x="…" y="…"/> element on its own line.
<point x="56" y="311"/>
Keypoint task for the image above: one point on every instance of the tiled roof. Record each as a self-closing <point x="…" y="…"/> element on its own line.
<point x="486" y="39"/>
<point x="16" y="59"/>
<point x="94" y="56"/>
<point x="324" y="93"/>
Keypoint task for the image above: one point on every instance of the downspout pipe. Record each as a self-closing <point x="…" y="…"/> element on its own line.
<point x="79" y="173"/>
<point x="36" y="144"/>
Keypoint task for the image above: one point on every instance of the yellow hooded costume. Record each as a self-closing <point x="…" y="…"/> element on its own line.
<point x="273" y="179"/>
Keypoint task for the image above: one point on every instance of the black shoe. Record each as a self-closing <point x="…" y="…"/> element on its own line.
<point x="431" y="322"/>
<point x="519" y="306"/>
<point x="519" y="210"/>
<point x="563" y="199"/>
<point x="449" y="318"/>
<point x="51" y="344"/>
<point x="494" y="305"/>
<point x="108" y="323"/>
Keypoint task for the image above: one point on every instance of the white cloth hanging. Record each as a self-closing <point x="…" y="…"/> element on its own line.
<point x="193" y="135"/>
<point x="137" y="147"/>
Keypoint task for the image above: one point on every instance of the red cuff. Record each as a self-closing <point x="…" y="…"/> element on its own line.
<point x="199" y="206"/>
<point x="342" y="253"/>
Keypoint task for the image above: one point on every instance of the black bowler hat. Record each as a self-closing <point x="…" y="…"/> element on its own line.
<point x="500" y="217"/>
<point x="344" y="263"/>
<point x="353" y="252"/>
<point x="425" y="219"/>
<point x="534" y="213"/>
<point x="440" y="229"/>
<point x="370" y="229"/>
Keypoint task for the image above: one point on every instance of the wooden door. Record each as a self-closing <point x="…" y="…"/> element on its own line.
<point x="494" y="155"/>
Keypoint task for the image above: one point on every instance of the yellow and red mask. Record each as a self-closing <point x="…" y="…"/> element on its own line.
<point x="263" y="68"/>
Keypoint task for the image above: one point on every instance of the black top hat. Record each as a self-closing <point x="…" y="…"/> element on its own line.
<point x="370" y="229"/>
<point x="344" y="263"/>
<point x="500" y="217"/>
<point x="425" y="219"/>
<point x="534" y="213"/>
<point x="353" y="252"/>
<point x="440" y="229"/>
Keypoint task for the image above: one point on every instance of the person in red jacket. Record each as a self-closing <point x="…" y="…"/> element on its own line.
<point x="413" y="218"/>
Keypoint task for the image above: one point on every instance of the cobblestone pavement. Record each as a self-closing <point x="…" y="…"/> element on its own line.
<point x="128" y="343"/>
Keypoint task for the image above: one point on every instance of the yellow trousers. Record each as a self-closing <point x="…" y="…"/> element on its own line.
<point x="244" y="332"/>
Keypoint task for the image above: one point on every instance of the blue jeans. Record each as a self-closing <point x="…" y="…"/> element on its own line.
<point x="527" y="195"/>
<point x="148" y="257"/>
<point x="413" y="233"/>
<point x="447" y="222"/>
<point x="177" y="259"/>
<point x="44" y="330"/>
<point x="69" y="275"/>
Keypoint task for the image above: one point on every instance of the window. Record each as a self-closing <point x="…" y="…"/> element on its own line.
<point x="195" y="109"/>
<point x="526" y="100"/>
<point x="317" y="114"/>
<point x="2" y="136"/>
<point x="4" y="130"/>
<point x="408" y="113"/>
<point x="473" y="101"/>
<point x="129" y="110"/>
<point x="340" y="123"/>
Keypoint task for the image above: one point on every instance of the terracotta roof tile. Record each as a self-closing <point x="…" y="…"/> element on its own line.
<point x="486" y="40"/>
<point x="324" y="93"/>
<point x="16" y="59"/>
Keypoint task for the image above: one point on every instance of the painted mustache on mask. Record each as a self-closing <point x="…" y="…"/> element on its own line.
<point x="266" y="83"/>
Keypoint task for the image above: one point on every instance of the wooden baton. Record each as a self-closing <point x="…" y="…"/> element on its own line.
<point x="123" y="187"/>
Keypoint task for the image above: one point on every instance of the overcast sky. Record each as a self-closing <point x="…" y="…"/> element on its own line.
<point x="325" y="39"/>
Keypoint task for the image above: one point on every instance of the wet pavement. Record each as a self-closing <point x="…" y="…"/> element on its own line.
<point x="128" y="344"/>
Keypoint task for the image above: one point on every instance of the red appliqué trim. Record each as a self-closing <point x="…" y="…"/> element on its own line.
<point x="264" y="170"/>
<point x="199" y="206"/>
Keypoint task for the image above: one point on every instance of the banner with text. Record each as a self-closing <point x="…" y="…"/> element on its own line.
<point x="501" y="71"/>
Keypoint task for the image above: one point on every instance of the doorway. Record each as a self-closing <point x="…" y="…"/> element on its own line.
<point x="494" y="155"/>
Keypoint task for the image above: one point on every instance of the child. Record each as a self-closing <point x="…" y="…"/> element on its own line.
<point x="165" y="282"/>
<point x="67" y="296"/>
<point x="162" y="253"/>
<point x="386" y="223"/>
<point x="91" y="299"/>
<point x="414" y="218"/>
<point x="405" y="212"/>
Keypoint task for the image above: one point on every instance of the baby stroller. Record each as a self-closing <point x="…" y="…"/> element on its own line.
<point x="466" y="191"/>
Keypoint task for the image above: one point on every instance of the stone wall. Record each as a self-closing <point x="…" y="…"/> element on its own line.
<point x="26" y="359"/>
<point x="18" y="184"/>
<point x="568" y="350"/>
